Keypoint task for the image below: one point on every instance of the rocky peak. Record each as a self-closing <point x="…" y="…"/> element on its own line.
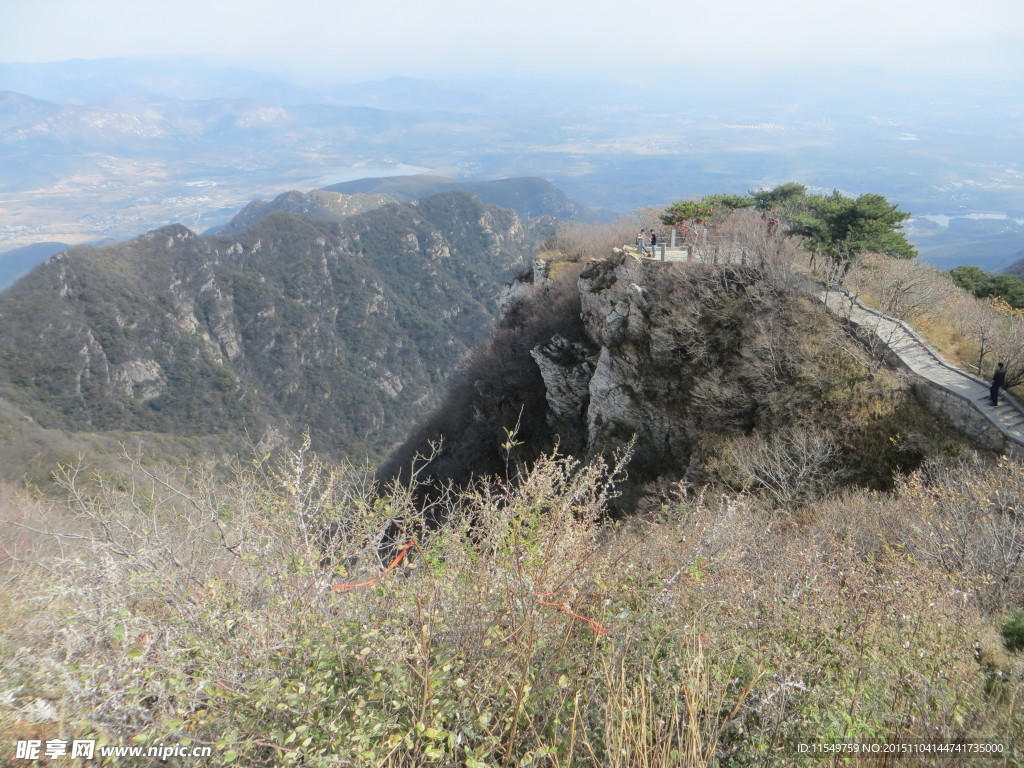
<point x="673" y="361"/>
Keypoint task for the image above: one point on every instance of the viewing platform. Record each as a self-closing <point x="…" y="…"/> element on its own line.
<point x="706" y="254"/>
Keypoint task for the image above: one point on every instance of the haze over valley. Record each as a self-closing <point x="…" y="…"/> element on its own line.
<point x="106" y="150"/>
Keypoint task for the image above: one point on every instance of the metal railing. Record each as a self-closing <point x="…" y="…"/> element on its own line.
<point x="712" y="253"/>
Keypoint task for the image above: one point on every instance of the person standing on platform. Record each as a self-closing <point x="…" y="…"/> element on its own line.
<point x="641" y="243"/>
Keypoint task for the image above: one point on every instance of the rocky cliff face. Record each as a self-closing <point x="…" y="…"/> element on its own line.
<point x="681" y="363"/>
<point x="349" y="329"/>
<point x="632" y="378"/>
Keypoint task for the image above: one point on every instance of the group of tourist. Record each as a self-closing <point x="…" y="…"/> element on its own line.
<point x="646" y="243"/>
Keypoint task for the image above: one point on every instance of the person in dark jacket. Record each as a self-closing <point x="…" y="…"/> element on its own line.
<point x="997" y="382"/>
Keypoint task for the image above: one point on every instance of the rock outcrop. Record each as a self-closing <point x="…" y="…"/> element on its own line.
<point x="629" y="386"/>
<point x="567" y="369"/>
<point x="681" y="364"/>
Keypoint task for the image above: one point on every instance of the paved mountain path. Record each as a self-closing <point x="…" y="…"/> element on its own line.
<point x="918" y="356"/>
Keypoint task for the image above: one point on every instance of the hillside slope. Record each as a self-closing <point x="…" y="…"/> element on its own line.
<point x="349" y="329"/>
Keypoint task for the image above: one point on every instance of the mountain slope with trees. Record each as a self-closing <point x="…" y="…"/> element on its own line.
<point x="347" y="329"/>
<point x="990" y="285"/>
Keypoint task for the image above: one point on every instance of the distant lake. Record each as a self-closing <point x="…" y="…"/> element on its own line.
<point x="339" y="175"/>
<point x="943" y="219"/>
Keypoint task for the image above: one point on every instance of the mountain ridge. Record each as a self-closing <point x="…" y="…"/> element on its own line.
<point x="316" y="204"/>
<point x="529" y="196"/>
<point x="347" y="328"/>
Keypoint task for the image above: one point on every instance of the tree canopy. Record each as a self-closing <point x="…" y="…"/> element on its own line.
<point x="727" y="202"/>
<point x="984" y="284"/>
<point x="687" y="213"/>
<point x="778" y="198"/>
<point x="835" y="225"/>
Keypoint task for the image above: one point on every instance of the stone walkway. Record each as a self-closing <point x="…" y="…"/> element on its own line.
<point x="916" y="354"/>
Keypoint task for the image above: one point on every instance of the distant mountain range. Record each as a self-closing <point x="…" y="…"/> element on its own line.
<point x="81" y="81"/>
<point x="109" y="149"/>
<point x="318" y="204"/>
<point x="345" y="328"/>
<point x="69" y="138"/>
<point x="529" y="198"/>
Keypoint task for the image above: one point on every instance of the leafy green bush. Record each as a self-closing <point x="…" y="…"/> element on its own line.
<point x="1013" y="631"/>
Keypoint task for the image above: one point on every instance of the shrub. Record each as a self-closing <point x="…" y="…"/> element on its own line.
<point x="1013" y="631"/>
<point x="527" y="631"/>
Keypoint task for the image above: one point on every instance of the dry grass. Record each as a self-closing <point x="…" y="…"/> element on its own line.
<point x="575" y="240"/>
<point x="528" y="631"/>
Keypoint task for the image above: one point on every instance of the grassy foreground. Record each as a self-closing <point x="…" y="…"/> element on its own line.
<point x="529" y="631"/>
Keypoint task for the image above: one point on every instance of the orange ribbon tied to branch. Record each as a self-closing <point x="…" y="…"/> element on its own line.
<point x="394" y="564"/>
<point x="569" y="612"/>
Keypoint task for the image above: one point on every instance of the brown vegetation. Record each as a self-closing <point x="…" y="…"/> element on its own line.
<point x="707" y="631"/>
<point x="973" y="334"/>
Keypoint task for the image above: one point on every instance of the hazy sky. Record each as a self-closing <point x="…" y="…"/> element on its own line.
<point x="376" y="38"/>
